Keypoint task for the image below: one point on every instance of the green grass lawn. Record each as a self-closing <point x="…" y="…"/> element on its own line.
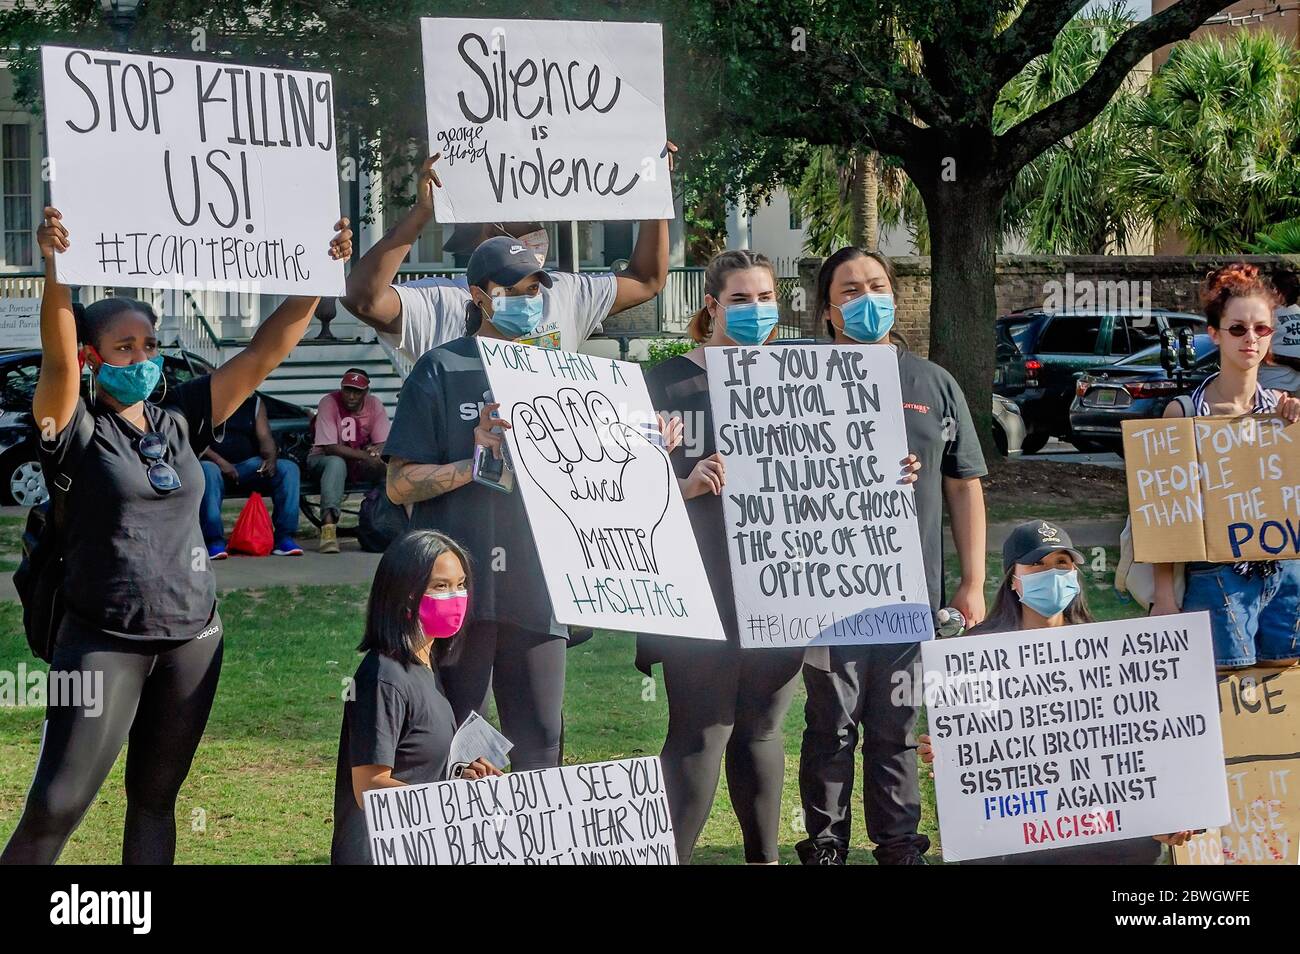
<point x="261" y="788"/>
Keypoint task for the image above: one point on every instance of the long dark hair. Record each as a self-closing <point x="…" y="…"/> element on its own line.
<point x="1005" y="615"/>
<point x="826" y="274"/>
<point x="401" y="580"/>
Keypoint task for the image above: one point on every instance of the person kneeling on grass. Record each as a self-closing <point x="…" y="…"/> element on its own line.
<point x="246" y="459"/>
<point x="397" y="723"/>
<point x="1041" y="588"/>
<point x="348" y="444"/>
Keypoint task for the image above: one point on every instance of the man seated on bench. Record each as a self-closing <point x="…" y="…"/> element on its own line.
<point x="351" y="427"/>
<point x="243" y="461"/>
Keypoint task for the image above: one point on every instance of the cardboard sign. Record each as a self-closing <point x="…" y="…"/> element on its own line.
<point x="605" y="813"/>
<point x="541" y="120"/>
<point x="20" y="323"/>
<point x="1076" y="735"/>
<point x="181" y="173"/>
<point x="822" y="537"/>
<point x="616" y="546"/>
<point x="1260" y="711"/>
<point x="1213" y="488"/>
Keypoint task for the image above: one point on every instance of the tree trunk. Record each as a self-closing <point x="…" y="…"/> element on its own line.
<point x="963" y="303"/>
<point x="866" y="196"/>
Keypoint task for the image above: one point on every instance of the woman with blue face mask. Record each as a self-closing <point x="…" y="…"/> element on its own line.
<point x="851" y="688"/>
<point x="724" y="702"/>
<point x="1043" y="587"/>
<point x="139" y="620"/>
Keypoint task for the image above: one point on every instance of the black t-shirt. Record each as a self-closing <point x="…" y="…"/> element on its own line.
<point x="136" y="566"/>
<point x="397" y="716"/>
<point x="941" y="433"/>
<point x="238" y="436"/>
<point x="437" y="412"/>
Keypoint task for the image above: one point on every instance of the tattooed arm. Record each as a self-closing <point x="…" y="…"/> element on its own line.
<point x="410" y="483"/>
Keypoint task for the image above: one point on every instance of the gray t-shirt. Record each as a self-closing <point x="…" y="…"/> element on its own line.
<point x="135" y="562"/>
<point x="1279" y="377"/>
<point x="434" y="311"/>
<point x="437" y="412"/>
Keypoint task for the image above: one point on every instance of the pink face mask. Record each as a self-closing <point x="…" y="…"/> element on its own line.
<point x="441" y="614"/>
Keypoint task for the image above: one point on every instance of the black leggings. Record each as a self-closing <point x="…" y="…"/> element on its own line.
<point x="525" y="671"/>
<point x="722" y="698"/>
<point x="159" y="693"/>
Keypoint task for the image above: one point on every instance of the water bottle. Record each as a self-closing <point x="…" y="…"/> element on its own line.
<point x="949" y="622"/>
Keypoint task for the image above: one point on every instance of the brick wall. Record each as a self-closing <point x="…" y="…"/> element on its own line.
<point x="1028" y="281"/>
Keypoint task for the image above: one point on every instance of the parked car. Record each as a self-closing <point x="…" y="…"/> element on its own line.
<point x="1040" y="353"/>
<point x="1138" y="388"/>
<point x="1008" y="426"/>
<point x="21" y="482"/>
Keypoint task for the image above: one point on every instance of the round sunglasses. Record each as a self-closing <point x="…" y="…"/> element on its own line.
<point x="1239" y="331"/>
<point x="162" y="475"/>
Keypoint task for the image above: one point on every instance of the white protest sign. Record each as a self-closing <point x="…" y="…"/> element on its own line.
<point x="546" y="119"/>
<point x="823" y="540"/>
<point x="604" y="813"/>
<point x="20" y="323"/>
<point x="615" y="543"/>
<point x="1076" y="735"/>
<point x="183" y="173"/>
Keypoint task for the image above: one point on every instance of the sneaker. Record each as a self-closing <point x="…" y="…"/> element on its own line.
<point x="820" y="853"/>
<point x="217" y="550"/>
<point x="329" y="538"/>
<point x="909" y="858"/>
<point x="287" y="547"/>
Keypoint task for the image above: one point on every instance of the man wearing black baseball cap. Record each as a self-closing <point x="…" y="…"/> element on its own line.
<point x="414" y="317"/>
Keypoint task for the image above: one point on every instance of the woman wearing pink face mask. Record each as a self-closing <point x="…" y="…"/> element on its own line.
<point x="397" y="723"/>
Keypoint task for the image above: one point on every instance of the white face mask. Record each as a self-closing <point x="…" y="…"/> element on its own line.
<point x="540" y="242"/>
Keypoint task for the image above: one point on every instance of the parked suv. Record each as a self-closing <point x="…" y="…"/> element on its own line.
<point x="1040" y="353"/>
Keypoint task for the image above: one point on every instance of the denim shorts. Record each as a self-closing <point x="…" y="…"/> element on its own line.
<point x="1252" y="618"/>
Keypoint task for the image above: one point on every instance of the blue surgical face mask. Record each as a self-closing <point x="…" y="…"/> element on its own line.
<point x="750" y="322"/>
<point x="130" y="383"/>
<point x="516" y="316"/>
<point x="868" y="317"/>
<point x="1049" y="592"/>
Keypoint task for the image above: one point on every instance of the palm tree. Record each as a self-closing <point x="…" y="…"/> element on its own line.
<point x="1068" y="200"/>
<point x="1213" y="147"/>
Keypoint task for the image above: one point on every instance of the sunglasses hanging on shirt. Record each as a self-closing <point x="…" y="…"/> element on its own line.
<point x="152" y="448"/>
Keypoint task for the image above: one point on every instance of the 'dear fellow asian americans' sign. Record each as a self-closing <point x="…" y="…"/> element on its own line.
<point x="171" y="173"/>
<point x="1213" y="488"/>
<point x="546" y="119"/>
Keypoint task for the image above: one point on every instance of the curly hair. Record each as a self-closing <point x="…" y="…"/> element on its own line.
<point x="1238" y="280"/>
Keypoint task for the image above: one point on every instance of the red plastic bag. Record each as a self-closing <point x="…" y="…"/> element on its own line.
<point x="253" y="534"/>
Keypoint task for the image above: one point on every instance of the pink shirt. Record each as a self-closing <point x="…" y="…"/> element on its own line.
<point x="335" y="426"/>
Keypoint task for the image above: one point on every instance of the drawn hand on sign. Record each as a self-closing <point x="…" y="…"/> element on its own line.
<point x="608" y="480"/>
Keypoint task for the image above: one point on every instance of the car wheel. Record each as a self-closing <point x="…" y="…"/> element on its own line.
<point x="1085" y="446"/>
<point x="1034" y="442"/>
<point x="21" y="481"/>
<point x="1000" y="439"/>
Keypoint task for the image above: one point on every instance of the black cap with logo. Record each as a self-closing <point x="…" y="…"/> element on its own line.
<point x="1030" y="542"/>
<point x="504" y="260"/>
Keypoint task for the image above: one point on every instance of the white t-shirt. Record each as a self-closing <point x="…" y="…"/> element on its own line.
<point x="434" y="309"/>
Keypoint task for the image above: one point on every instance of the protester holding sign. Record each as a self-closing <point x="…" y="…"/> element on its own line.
<point x="721" y="697"/>
<point x="142" y="611"/>
<point x="415" y="317"/>
<point x="514" y="643"/>
<point x="397" y="723"/>
<point x="1254" y="606"/>
<point x="851" y="686"/>
<point x="1041" y="588"/>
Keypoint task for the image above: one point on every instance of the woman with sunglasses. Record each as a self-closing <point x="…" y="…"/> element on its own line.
<point x="1254" y="607"/>
<point x="140" y="634"/>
